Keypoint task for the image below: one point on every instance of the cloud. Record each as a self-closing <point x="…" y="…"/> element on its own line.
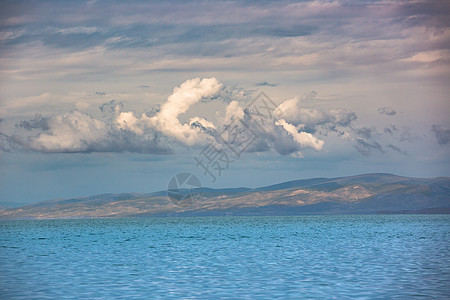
<point x="183" y="97"/>
<point x="366" y="132"/>
<point x="391" y="129"/>
<point x="294" y="113"/>
<point x="290" y="128"/>
<point x="69" y="132"/>
<point x="270" y="132"/>
<point x="165" y="120"/>
<point x="386" y="111"/>
<point x="365" y="148"/>
<point x="111" y="109"/>
<point x="79" y="132"/>
<point x="275" y="137"/>
<point x="78" y="30"/>
<point x="235" y="93"/>
<point x="303" y="139"/>
<point x="376" y="37"/>
<point x="265" y="83"/>
<point x="442" y="134"/>
<point x="120" y="130"/>
<point x="9" y="143"/>
<point x="203" y="125"/>
<point x="233" y="112"/>
<point x="428" y="56"/>
<point x="313" y="119"/>
<point x="127" y="121"/>
<point x="407" y="136"/>
<point x="397" y="149"/>
<point x="38" y="122"/>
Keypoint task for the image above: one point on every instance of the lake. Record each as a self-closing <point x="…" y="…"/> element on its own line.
<point x="333" y="257"/>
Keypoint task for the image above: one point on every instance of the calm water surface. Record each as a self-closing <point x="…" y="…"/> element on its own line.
<point x="336" y="257"/>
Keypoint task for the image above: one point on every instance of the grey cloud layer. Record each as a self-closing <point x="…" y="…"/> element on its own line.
<point x="388" y="35"/>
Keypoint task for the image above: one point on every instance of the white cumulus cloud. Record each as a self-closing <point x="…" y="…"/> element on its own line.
<point x="292" y="129"/>
<point x="303" y="139"/>
<point x="70" y="132"/>
<point x="166" y="120"/>
<point x="183" y="97"/>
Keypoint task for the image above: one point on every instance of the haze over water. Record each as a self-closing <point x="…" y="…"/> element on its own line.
<point x="376" y="256"/>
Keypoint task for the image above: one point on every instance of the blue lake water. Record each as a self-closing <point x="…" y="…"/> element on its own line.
<point x="333" y="257"/>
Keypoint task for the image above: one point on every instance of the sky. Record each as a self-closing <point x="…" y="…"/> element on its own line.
<point x="113" y="97"/>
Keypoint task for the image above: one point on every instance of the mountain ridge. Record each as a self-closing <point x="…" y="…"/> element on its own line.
<point x="357" y="194"/>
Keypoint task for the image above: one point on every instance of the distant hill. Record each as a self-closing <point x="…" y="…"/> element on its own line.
<point x="361" y="194"/>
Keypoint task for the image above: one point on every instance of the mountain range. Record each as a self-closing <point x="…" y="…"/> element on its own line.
<point x="361" y="194"/>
